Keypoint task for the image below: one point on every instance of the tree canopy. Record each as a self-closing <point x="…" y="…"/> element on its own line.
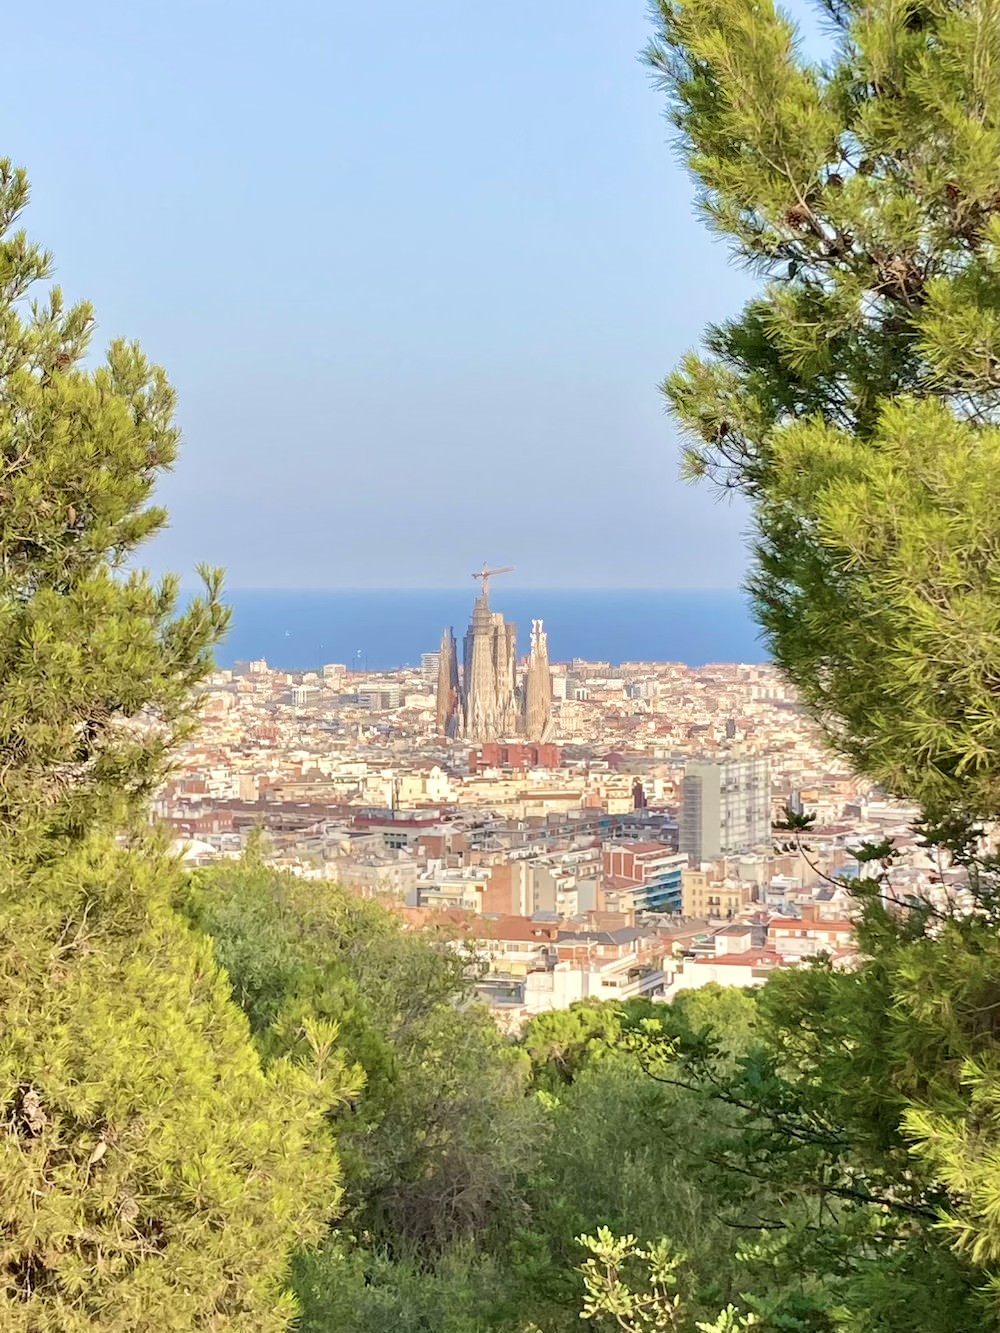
<point x="855" y="404"/>
<point x="855" y="400"/>
<point x="152" y="1175"/>
<point x="96" y="664"/>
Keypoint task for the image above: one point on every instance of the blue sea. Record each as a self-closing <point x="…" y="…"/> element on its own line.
<point x="382" y="629"/>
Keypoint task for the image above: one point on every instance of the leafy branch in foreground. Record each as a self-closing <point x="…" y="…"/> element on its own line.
<point x="855" y="401"/>
<point x="632" y="1287"/>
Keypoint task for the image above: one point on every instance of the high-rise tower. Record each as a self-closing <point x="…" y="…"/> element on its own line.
<point x="449" y="697"/>
<point x="489" y="665"/>
<point x="725" y="806"/>
<point x="538" y="687"/>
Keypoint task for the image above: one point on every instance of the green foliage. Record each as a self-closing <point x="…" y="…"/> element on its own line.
<point x="96" y="667"/>
<point x="794" y="821"/>
<point x="559" y="1044"/>
<point x="622" y="1150"/>
<point x="620" y="1153"/>
<point x="151" y="1175"/>
<point x="464" y="1189"/>
<point x="855" y="400"/>
<point x="860" y="1144"/>
<point x="612" y="1291"/>
<point x="440" y="1133"/>
<point x="961" y="1146"/>
<point x="855" y="404"/>
<point x="722" y="1019"/>
<point x="630" y="1287"/>
<point x="343" y="1287"/>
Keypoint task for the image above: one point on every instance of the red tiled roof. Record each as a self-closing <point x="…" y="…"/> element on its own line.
<point x="750" y="958"/>
<point x="517" y="929"/>
<point x="795" y="923"/>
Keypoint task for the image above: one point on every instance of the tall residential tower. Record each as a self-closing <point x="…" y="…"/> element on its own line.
<point x="725" y="807"/>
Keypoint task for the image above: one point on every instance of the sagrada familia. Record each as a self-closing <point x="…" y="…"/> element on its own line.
<point x="484" y="702"/>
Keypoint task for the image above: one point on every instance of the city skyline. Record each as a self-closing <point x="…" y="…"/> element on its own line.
<point x="394" y="627"/>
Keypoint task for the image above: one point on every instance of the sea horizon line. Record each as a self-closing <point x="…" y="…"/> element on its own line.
<point x="506" y="587"/>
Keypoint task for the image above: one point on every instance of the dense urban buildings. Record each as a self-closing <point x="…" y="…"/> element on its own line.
<point x="630" y="852"/>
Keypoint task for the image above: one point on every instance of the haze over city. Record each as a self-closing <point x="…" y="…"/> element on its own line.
<point x="415" y="273"/>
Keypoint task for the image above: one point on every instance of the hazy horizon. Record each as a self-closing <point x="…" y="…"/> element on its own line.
<point x="415" y="273"/>
<point x="462" y="587"/>
<point x="386" y="628"/>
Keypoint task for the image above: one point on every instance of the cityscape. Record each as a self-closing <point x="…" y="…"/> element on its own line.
<point x="598" y="830"/>
<point x="600" y="935"/>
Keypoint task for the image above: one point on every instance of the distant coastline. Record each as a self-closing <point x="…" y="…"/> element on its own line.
<point x="384" y="629"/>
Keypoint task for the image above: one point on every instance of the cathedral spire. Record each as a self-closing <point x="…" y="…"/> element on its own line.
<point x="538" y="687"/>
<point x="484" y="702"/>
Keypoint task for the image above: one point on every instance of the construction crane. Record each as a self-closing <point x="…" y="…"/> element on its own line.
<point x="486" y="574"/>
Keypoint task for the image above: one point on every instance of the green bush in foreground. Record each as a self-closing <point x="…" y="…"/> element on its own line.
<point x="151" y="1175"/>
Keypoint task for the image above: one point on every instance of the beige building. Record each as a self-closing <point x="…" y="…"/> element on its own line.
<point x="705" y="894"/>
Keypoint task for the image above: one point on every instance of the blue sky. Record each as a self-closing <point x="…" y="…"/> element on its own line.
<point x="415" y="270"/>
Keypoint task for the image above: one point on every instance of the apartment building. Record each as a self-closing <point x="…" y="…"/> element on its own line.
<point x="725" y="807"/>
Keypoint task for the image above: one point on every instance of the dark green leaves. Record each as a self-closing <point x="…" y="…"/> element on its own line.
<point x="860" y="392"/>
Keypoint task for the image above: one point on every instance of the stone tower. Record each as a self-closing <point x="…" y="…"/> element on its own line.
<point x="538" y="688"/>
<point x="449" y="697"/>
<point x="483" y="703"/>
<point x="489" y="683"/>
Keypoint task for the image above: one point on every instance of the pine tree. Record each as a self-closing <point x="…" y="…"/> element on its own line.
<point x="96" y="667"/>
<point x="855" y="401"/>
<point x="152" y="1175"/>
